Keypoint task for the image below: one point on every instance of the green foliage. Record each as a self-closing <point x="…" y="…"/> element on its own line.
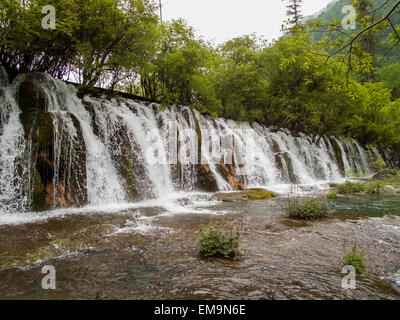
<point x="307" y="209"/>
<point x="181" y="72"/>
<point x="390" y="76"/>
<point x="376" y="42"/>
<point x="289" y="83"/>
<point x="239" y="85"/>
<point x="332" y="196"/>
<point x="371" y="122"/>
<point x="388" y="177"/>
<point x="356" y="260"/>
<point x="220" y="239"/>
<point x="98" y="39"/>
<point x="351" y="188"/>
<point x="375" y="188"/>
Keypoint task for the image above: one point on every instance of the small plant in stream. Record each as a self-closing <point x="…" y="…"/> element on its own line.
<point x="221" y="239"/>
<point x="307" y="209"/>
<point x="356" y="260"/>
<point x="351" y="188"/>
<point x="375" y="188"/>
<point x="332" y="196"/>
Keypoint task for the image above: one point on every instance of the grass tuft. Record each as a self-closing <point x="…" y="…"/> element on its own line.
<point x="221" y="239"/>
<point x="307" y="209"/>
<point x="356" y="260"/>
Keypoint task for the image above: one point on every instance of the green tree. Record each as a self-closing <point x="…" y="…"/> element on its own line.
<point x="294" y="12"/>
<point x="121" y="36"/>
<point x="390" y="76"/>
<point x="239" y="83"/>
<point x="26" y="47"/>
<point x="182" y="70"/>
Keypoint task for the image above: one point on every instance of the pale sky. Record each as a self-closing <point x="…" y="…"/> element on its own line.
<point x="221" y="20"/>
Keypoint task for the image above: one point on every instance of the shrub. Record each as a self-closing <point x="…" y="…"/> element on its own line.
<point x="356" y="260"/>
<point x="332" y="196"/>
<point x="377" y="164"/>
<point x="351" y="188"/>
<point x="375" y="188"/>
<point x="221" y="239"/>
<point x="307" y="209"/>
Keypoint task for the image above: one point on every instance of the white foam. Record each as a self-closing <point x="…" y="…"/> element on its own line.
<point x="170" y="204"/>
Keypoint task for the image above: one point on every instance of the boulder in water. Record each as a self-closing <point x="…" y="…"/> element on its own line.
<point x="250" y="194"/>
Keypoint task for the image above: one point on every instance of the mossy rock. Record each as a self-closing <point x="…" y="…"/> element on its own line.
<point x="260" y="194"/>
<point x="250" y="194"/>
<point x="232" y="197"/>
<point x="290" y="168"/>
<point x="124" y="160"/>
<point x="338" y="154"/>
<point x="277" y="154"/>
<point x="32" y="101"/>
<point x="38" y="194"/>
<point x="130" y="180"/>
<point x="4" y="78"/>
<point x="199" y="136"/>
<point x="206" y="180"/>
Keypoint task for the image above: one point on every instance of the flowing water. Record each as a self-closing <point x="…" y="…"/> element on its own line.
<point x="152" y="140"/>
<point x="134" y="235"/>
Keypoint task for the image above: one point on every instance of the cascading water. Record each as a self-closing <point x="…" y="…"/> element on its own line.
<point x="121" y="150"/>
<point x="211" y="150"/>
<point x="103" y="185"/>
<point x="13" y="147"/>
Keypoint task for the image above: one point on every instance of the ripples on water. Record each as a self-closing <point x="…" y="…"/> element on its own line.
<point x="367" y="206"/>
<point x="148" y="250"/>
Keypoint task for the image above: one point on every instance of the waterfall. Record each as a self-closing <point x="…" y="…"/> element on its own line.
<point x="103" y="185"/>
<point x="67" y="150"/>
<point x="13" y="147"/>
<point x="211" y="149"/>
<point x="144" y="136"/>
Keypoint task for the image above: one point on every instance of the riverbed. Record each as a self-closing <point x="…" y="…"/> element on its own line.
<point x="149" y="251"/>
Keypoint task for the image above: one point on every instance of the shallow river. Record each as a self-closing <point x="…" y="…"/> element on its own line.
<point x="143" y="252"/>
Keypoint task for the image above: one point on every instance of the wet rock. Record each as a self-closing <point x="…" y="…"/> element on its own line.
<point x="32" y="101"/>
<point x="278" y="156"/>
<point x="260" y="194"/>
<point x="290" y="168"/>
<point x="57" y="181"/>
<point x="251" y="194"/>
<point x="206" y="180"/>
<point x="4" y="80"/>
<point x="338" y="154"/>
<point x="232" y="197"/>
<point x="227" y="171"/>
<point x="385" y="174"/>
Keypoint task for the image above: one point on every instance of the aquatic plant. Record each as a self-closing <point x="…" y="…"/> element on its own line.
<point x="356" y="260"/>
<point x="375" y="188"/>
<point x="351" y="188"/>
<point x="332" y="196"/>
<point x="307" y="209"/>
<point x="221" y="239"/>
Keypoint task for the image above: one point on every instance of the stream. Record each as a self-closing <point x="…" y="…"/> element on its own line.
<point x="148" y="252"/>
